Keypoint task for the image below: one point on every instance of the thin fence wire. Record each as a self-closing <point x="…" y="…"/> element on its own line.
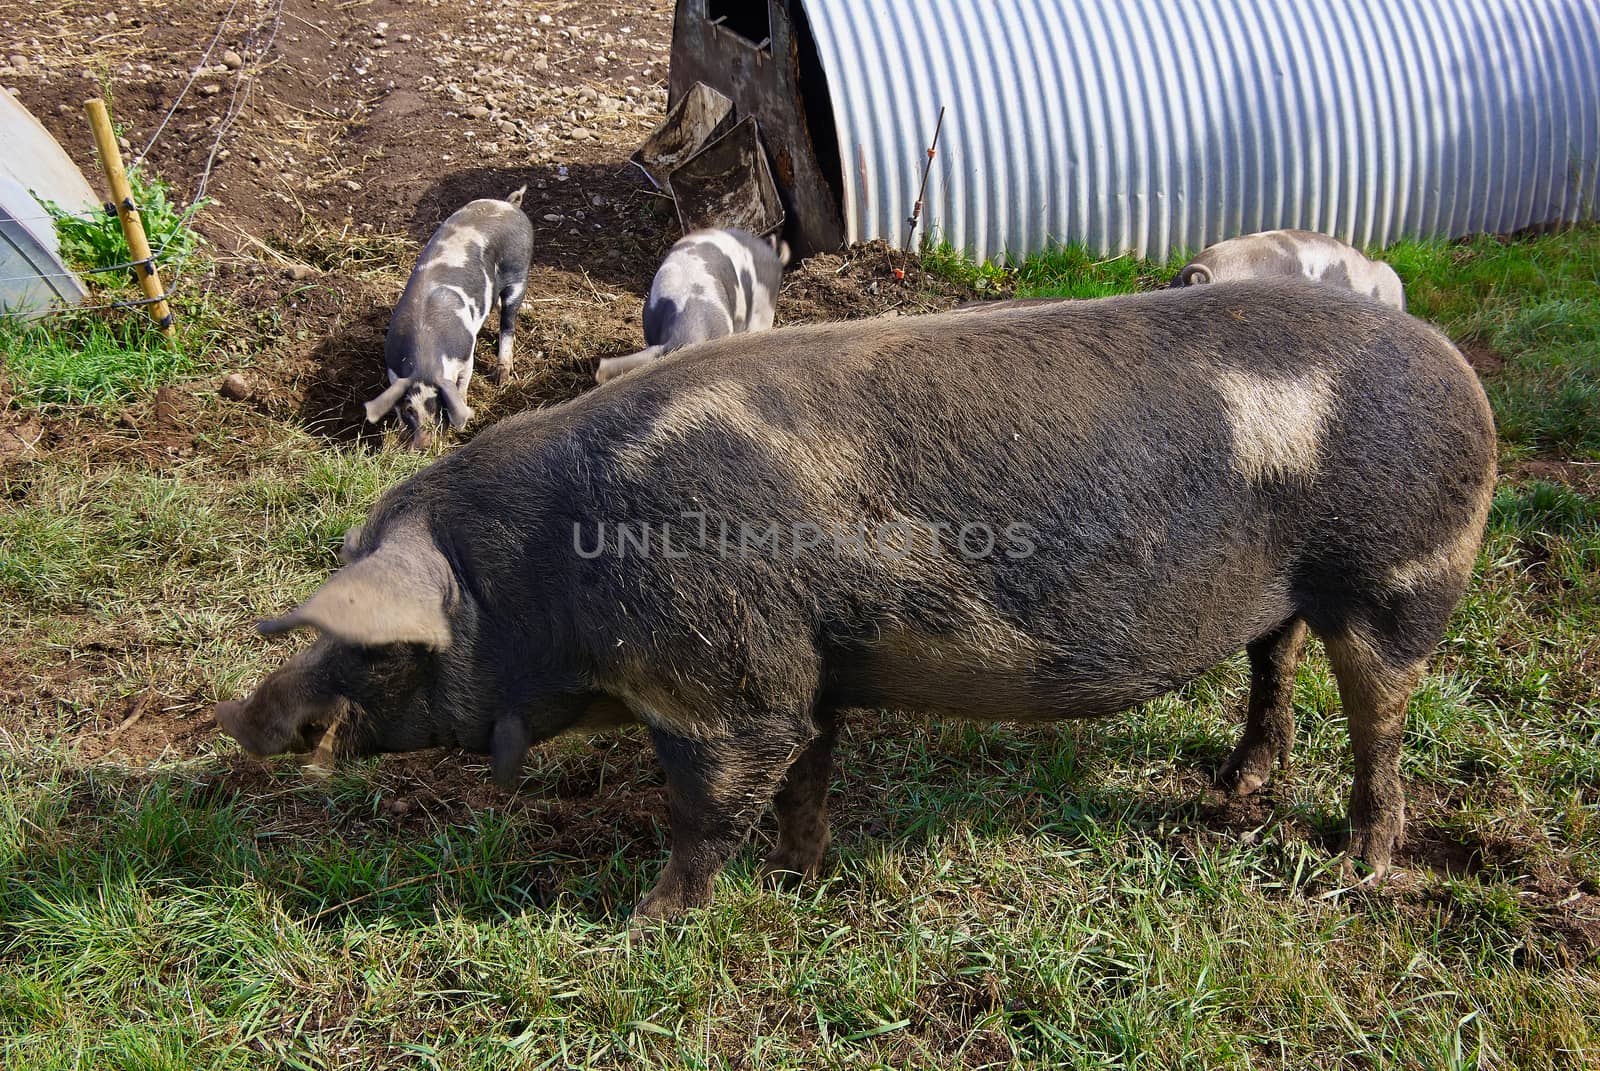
<point x="231" y="114"/>
<point x="205" y="61"/>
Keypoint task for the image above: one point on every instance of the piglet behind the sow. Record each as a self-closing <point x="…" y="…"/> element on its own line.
<point x="1294" y="254"/>
<point x="478" y="256"/>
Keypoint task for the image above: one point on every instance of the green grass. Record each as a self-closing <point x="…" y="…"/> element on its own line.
<point x="1065" y="896"/>
<point x="90" y="358"/>
<point x="102" y="356"/>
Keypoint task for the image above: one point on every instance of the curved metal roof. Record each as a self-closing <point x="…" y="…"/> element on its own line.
<point x="1156" y="126"/>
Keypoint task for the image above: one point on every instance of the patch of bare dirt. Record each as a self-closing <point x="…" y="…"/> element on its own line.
<point x="1582" y="476"/>
<point x="1482" y="357"/>
<point x="20" y="433"/>
<point x="868" y="279"/>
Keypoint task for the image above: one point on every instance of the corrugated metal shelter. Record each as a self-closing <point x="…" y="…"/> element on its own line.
<point x="1157" y="126"/>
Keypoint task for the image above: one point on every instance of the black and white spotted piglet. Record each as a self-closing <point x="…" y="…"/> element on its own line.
<point x="712" y="283"/>
<point x="477" y="256"/>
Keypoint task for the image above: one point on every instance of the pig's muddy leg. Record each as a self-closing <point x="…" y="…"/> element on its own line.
<point x="1269" y="723"/>
<point x="716" y="789"/>
<point x="1373" y="693"/>
<point x="802" y="806"/>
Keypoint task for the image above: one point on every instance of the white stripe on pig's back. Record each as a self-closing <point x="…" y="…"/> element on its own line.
<point x="1318" y="256"/>
<point x="457" y="247"/>
<point x="681" y="281"/>
<point x="744" y="266"/>
<point x="1315" y="260"/>
<point x="472" y="313"/>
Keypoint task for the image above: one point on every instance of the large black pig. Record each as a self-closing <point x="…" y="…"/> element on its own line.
<point x="1037" y="512"/>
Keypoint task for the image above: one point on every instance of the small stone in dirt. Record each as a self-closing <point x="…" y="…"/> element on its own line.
<point x="581" y="133"/>
<point x="352" y="185"/>
<point x="235" y="387"/>
<point x="232" y="60"/>
<point x="552" y="217"/>
<point x="299" y="271"/>
<point x="210" y="89"/>
<point x="397" y="807"/>
<point x="478" y="111"/>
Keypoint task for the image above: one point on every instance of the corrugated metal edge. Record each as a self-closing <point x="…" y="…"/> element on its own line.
<point x="35" y="277"/>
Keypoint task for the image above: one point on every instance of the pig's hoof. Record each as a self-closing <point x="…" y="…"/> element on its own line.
<point x="502" y="373"/>
<point x="661" y="905"/>
<point x="1355" y="871"/>
<point x="1248" y="768"/>
<point x="1368" y="854"/>
<point x="789" y="865"/>
<point x="645" y="930"/>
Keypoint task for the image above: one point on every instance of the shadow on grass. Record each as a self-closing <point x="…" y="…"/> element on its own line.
<point x="395" y="840"/>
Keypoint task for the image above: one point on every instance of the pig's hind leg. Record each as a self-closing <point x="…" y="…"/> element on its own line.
<point x="716" y="790"/>
<point x="802" y="806"/>
<point x="1269" y="722"/>
<point x="1374" y="687"/>
<point x="511" y="295"/>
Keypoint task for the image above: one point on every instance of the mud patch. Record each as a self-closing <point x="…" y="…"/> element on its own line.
<point x="1482" y="357"/>
<point x="1581" y="476"/>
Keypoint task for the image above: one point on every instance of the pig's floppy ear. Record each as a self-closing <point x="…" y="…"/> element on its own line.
<point x="457" y="410"/>
<point x="380" y="406"/>
<point x="400" y="593"/>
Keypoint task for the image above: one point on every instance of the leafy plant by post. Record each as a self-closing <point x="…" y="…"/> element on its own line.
<point x="96" y="242"/>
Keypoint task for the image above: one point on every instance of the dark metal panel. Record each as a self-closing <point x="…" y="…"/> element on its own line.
<point x="765" y="83"/>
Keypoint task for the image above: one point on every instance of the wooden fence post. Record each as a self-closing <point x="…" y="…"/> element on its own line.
<point x="132" y="226"/>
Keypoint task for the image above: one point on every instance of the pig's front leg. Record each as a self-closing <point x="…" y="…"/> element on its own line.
<point x="716" y="790"/>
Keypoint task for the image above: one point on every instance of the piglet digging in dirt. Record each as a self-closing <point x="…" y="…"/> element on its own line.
<point x="761" y="535"/>
<point x="476" y="257"/>
<point x="1294" y="254"/>
<point x="713" y="283"/>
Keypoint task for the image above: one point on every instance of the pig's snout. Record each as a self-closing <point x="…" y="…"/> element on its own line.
<point x="421" y="439"/>
<point x="227" y="715"/>
<point x="273" y="735"/>
<point x="231" y="719"/>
